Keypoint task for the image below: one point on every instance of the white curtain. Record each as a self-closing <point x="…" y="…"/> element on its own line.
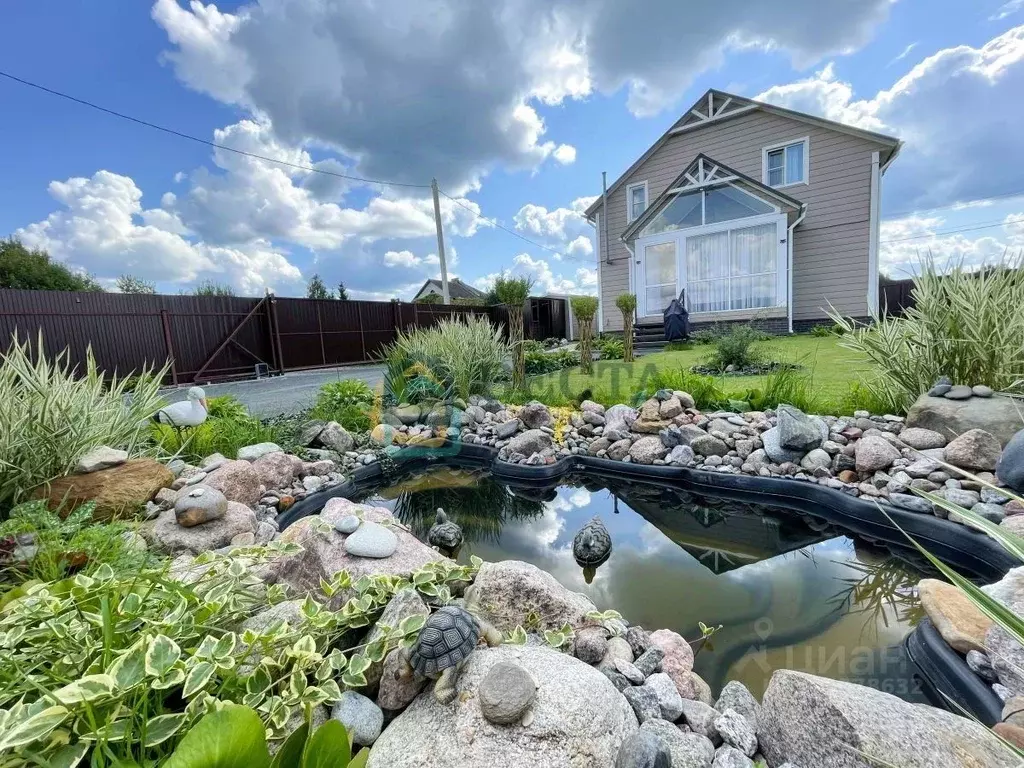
<point x="659" y="276"/>
<point x="795" y="163"/>
<point x="707" y="272"/>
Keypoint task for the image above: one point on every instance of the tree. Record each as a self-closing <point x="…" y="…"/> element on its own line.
<point x="342" y="293"/>
<point x="210" y="288"/>
<point x="316" y="289"/>
<point x="583" y="309"/>
<point x="627" y="306"/>
<point x="513" y="293"/>
<point x="33" y="270"/>
<point x="430" y="298"/>
<point x="132" y="284"/>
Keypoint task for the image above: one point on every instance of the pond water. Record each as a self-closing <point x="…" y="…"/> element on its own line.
<point x="789" y="590"/>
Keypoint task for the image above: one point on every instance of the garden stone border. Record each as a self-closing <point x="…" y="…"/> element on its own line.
<point x="941" y="668"/>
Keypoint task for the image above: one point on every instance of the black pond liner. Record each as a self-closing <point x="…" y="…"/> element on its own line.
<point x="943" y="671"/>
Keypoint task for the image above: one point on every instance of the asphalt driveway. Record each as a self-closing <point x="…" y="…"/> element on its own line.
<point x="289" y="393"/>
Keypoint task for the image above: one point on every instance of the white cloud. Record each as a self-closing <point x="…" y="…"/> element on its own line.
<point x="97" y="232"/>
<point x="904" y="242"/>
<point x="565" y="154"/>
<point x="545" y="281"/>
<point x="559" y="224"/>
<point x="1007" y="9"/>
<point x="957" y="110"/>
<point x="906" y="52"/>
<point x="581" y="246"/>
<point x="352" y="75"/>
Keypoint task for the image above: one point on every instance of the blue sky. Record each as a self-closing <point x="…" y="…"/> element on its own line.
<point x="516" y="106"/>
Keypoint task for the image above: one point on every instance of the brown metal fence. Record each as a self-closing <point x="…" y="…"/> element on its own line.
<point x="209" y="337"/>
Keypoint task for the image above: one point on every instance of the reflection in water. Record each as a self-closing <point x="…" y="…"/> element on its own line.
<point x="789" y="590"/>
<point x="591" y="548"/>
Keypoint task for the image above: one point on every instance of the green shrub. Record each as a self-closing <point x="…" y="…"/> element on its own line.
<point x="225" y="407"/>
<point x="547" y="362"/>
<point x="736" y="348"/>
<point x="964" y="324"/>
<point x="73" y="544"/>
<point x="821" y="331"/>
<point x="223" y="435"/>
<point x="532" y="345"/>
<point x="838" y="329"/>
<point x="583" y="309"/>
<point x="706" y="335"/>
<point x="704" y="390"/>
<point x="462" y="357"/>
<point x="52" y="414"/>
<point x="552" y="341"/>
<point x="611" y="348"/>
<point x="347" y="402"/>
<point x="678" y="346"/>
<point x="114" y="668"/>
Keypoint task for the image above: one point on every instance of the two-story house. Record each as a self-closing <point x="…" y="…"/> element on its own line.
<point x="758" y="212"/>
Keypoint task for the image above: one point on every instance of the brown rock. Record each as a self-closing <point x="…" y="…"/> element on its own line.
<point x="650" y="427"/>
<point x="238" y="481"/>
<point x="118" y="491"/>
<point x="701" y="690"/>
<point x="1013" y="507"/>
<point x="678" y="661"/>
<point x="974" y="449"/>
<point x="848" y="476"/>
<point x="1012" y="733"/>
<point x="1013" y="711"/>
<point x="277" y="469"/>
<point x="956" y="618"/>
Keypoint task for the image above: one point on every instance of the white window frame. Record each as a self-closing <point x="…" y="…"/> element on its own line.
<point x="682" y="278"/>
<point x="806" y="141"/>
<point x="630" y="218"/>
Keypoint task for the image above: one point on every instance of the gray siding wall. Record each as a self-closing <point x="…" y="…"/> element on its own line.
<point x="830" y="256"/>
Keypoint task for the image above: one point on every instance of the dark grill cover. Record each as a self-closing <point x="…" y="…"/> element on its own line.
<point x="677" y="319"/>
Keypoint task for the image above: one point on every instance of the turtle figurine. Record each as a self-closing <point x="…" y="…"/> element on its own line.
<point x="448" y="637"/>
<point x="591" y="547"/>
<point x="444" y="535"/>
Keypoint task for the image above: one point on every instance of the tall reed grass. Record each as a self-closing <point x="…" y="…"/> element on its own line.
<point x="52" y="414"/>
<point x="966" y="324"/>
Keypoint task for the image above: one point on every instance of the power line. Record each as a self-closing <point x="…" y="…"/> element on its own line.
<point x="208" y="143"/>
<point x="1000" y="223"/>
<point x="494" y="223"/>
<point x="1003" y="196"/>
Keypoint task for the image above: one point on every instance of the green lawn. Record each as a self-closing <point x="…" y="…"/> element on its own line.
<point x="829" y="368"/>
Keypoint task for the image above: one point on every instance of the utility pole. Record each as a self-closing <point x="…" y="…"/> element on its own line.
<point x="440" y="243"/>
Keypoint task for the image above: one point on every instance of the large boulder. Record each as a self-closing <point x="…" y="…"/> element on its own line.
<point x="336" y="438"/>
<point x="798" y="431"/>
<point x="505" y="593"/>
<point x="975" y="449"/>
<point x="405" y="603"/>
<point x="816" y="721"/>
<point x="577" y="719"/>
<point x="323" y="551"/>
<point x="961" y="624"/>
<point x="998" y="415"/>
<point x="618" y="421"/>
<point x="167" y="535"/>
<point x="103" y="457"/>
<point x="118" y="491"/>
<point x="1010" y="469"/>
<point x="238" y="481"/>
<point x="277" y="469"/>
<point x="536" y="415"/>
<point x="529" y="442"/>
<point x="257" y="450"/>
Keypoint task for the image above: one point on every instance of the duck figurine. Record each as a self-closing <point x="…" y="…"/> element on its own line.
<point x="591" y="547"/>
<point x="186" y="413"/>
<point x="444" y="535"/>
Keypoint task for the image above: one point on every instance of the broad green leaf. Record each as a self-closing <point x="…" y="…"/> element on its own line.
<point x="172" y="679"/>
<point x="358" y="664"/>
<point x="377" y="650"/>
<point x="38" y="726"/>
<point x="197" y="679"/>
<point x="231" y="737"/>
<point x="159" y="729"/>
<point x="328" y="747"/>
<point x="67" y="756"/>
<point x="304" y="646"/>
<point x="225" y="646"/>
<point x="259" y="681"/>
<point x="290" y="753"/>
<point x="130" y="668"/>
<point x="350" y="680"/>
<point x="161" y="655"/>
<point x="88" y="688"/>
<point x="359" y="761"/>
<point x="411" y="624"/>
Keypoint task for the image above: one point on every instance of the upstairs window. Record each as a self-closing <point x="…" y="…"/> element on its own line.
<point x="787" y="164"/>
<point x="636" y="200"/>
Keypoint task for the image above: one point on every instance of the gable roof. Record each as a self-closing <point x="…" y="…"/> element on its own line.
<point x="702" y="172"/>
<point x="456" y="289"/>
<point x="716" y="106"/>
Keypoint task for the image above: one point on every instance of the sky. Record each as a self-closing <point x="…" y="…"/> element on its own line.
<point x="514" y="106"/>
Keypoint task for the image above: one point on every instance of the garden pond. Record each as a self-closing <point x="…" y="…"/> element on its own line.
<point x="789" y="590"/>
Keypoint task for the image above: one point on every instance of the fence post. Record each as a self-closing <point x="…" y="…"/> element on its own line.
<point x="362" y="332"/>
<point x="272" y="300"/>
<point x="270" y="338"/>
<point x="165" y="320"/>
<point x="320" y="333"/>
